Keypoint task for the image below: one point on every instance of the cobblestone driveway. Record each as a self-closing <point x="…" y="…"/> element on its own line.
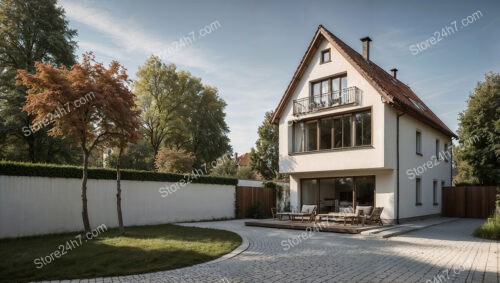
<point x="443" y="253"/>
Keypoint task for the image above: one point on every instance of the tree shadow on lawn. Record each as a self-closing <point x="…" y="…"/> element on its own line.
<point x="140" y="250"/>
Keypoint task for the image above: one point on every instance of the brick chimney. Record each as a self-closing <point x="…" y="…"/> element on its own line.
<point x="366" y="47"/>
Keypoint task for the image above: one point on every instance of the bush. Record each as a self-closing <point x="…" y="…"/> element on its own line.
<point x="256" y="210"/>
<point x="490" y="229"/>
<point x="66" y="171"/>
<point x="174" y="160"/>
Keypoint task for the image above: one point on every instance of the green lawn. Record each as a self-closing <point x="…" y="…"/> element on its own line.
<point x="141" y="249"/>
<point x="490" y="229"/>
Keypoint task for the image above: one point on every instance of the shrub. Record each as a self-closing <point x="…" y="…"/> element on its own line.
<point x="174" y="160"/>
<point x="66" y="171"/>
<point x="490" y="229"/>
<point x="256" y="211"/>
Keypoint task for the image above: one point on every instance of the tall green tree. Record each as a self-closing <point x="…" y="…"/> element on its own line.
<point x="264" y="157"/>
<point x="163" y="95"/>
<point x="30" y="31"/>
<point x="180" y="113"/>
<point x="479" y="131"/>
<point x="208" y="128"/>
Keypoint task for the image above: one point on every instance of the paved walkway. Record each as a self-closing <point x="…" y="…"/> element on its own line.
<point x="441" y="253"/>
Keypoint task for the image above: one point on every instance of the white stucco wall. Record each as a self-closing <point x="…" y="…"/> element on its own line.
<point x="338" y="159"/>
<point x="40" y="205"/>
<point x="409" y="160"/>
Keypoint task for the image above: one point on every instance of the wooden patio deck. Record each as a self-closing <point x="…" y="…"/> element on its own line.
<point x="321" y="226"/>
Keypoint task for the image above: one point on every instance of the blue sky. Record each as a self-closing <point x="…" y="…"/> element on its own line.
<point x="252" y="55"/>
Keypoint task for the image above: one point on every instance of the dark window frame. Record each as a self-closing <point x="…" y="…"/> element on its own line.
<point x="438" y="145"/>
<point x="435" y="190"/>
<point x="330" y="80"/>
<point x="418" y="191"/>
<point x="324" y="51"/>
<point x="418" y="142"/>
<point x="318" y="193"/>
<point x="334" y="117"/>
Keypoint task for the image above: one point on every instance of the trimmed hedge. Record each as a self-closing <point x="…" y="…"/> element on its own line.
<point x="66" y="171"/>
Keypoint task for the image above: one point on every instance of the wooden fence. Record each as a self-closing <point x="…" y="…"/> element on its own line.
<point x="250" y="198"/>
<point x="468" y="202"/>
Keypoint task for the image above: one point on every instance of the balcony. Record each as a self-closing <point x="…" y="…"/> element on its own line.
<point x="347" y="96"/>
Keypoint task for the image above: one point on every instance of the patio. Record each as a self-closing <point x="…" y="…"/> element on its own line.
<point x="324" y="226"/>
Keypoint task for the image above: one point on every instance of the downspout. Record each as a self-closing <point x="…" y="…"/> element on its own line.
<point x="397" y="167"/>
<point x="451" y="163"/>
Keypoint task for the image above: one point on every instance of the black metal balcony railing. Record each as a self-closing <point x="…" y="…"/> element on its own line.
<point x="350" y="95"/>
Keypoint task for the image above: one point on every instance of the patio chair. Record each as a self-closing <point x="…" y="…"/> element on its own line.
<point x="308" y="212"/>
<point x="273" y="212"/>
<point x="279" y="215"/>
<point x="345" y="212"/>
<point x="375" y="216"/>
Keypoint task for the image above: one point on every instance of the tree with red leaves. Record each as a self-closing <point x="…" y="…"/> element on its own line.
<point x="88" y="104"/>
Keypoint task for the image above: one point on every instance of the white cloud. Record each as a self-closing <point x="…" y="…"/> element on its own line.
<point x="130" y="37"/>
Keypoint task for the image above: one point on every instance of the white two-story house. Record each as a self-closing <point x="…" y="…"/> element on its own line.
<point x="351" y="134"/>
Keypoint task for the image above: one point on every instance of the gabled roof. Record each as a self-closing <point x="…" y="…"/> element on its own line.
<point x="393" y="91"/>
<point x="243" y="160"/>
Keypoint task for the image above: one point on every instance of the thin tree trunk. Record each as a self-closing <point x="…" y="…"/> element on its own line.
<point x="85" y="214"/>
<point x="119" y="193"/>
<point x="31" y="147"/>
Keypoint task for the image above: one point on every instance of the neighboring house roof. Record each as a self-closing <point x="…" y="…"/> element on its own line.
<point x="243" y="160"/>
<point x="393" y="91"/>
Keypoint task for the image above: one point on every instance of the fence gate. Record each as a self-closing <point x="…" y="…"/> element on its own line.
<point x="468" y="202"/>
<point x="249" y="198"/>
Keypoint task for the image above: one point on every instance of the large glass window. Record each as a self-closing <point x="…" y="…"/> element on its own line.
<point x="333" y="194"/>
<point x="334" y="132"/>
<point x="365" y="187"/>
<point x="346" y="131"/>
<point x="362" y="127"/>
<point x="309" y="192"/>
<point x="327" y="195"/>
<point x="337" y="132"/>
<point x="326" y="126"/>
<point x="311" y="136"/>
<point x="298" y="137"/>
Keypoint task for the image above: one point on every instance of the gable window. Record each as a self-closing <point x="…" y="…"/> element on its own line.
<point x="325" y="56"/>
<point x="418" y="191"/>
<point x="418" y="142"/>
<point x="435" y="192"/>
<point x="330" y="92"/>
<point x="335" y="132"/>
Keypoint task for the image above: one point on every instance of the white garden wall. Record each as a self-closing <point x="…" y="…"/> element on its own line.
<point x="41" y="205"/>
